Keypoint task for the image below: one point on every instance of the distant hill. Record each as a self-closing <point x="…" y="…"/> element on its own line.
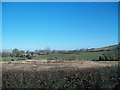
<point x="106" y="48"/>
<point x="112" y="47"/>
<point x="112" y="51"/>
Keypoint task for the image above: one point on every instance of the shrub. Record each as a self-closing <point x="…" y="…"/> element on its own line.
<point x="58" y="78"/>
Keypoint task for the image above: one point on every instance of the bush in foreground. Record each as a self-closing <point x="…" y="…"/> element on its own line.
<point x="59" y="78"/>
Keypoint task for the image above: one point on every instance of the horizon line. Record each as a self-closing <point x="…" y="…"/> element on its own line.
<point x="58" y="49"/>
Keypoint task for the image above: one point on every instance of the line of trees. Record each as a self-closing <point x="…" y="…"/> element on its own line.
<point x="19" y="53"/>
<point x="108" y="54"/>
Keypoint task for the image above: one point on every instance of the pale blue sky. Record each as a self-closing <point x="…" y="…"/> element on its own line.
<point x="59" y="25"/>
<point x="0" y="26"/>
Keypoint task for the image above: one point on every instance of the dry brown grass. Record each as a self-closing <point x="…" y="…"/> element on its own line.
<point x="53" y="64"/>
<point x="67" y="74"/>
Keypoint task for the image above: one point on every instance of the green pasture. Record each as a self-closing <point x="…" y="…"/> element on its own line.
<point x="60" y="56"/>
<point x="82" y="55"/>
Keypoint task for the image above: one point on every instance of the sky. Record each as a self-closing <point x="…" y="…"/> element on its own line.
<point x="59" y="25"/>
<point x="0" y="26"/>
<point x="60" y="0"/>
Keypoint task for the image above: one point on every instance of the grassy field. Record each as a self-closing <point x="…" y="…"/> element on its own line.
<point x="70" y="75"/>
<point x="60" y="71"/>
<point x="80" y="56"/>
<point x="14" y="58"/>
